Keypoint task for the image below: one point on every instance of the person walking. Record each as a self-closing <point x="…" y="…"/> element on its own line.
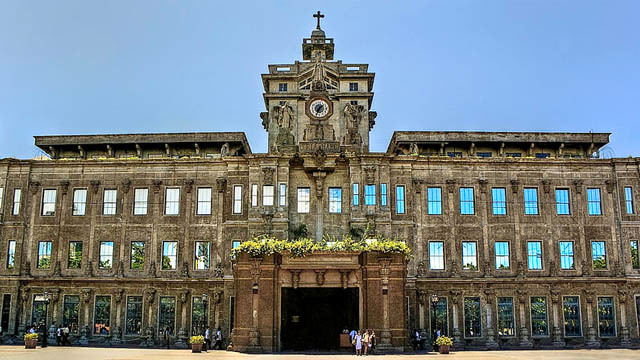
<point x="207" y="339"/>
<point x="218" y="343"/>
<point x="59" y="335"/>
<point x="365" y="341"/>
<point x="372" y="341"/>
<point x="358" y="339"/>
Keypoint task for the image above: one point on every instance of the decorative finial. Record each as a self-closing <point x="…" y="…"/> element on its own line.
<point x="319" y="16"/>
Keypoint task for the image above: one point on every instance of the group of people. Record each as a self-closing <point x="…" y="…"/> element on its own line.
<point x="62" y="334"/>
<point x="363" y="341"/>
<point x="207" y="339"/>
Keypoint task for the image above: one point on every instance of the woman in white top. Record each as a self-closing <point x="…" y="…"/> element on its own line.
<point x="359" y="343"/>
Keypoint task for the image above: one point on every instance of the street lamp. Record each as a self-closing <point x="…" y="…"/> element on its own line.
<point x="434" y="318"/>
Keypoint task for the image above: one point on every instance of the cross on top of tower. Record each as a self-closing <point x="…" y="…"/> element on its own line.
<point x="319" y="16"/>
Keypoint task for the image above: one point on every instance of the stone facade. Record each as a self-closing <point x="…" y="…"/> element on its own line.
<point x="318" y="123"/>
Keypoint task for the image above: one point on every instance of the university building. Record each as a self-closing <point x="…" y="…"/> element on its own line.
<point x="518" y="240"/>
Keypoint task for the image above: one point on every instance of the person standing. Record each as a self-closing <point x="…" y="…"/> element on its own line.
<point x="372" y="341"/>
<point x="358" y="343"/>
<point x="59" y="335"/>
<point x="207" y="339"/>
<point x="218" y="343"/>
<point x="65" y="336"/>
<point x="43" y="329"/>
<point x="365" y="341"/>
<point x="166" y="336"/>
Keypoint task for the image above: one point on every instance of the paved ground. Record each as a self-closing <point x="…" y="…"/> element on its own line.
<point x="73" y="353"/>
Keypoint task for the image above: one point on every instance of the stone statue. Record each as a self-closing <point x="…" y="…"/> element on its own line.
<point x="353" y="115"/>
<point x="283" y="114"/>
<point x="224" y="150"/>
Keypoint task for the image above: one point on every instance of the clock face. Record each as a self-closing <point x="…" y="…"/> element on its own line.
<point x="319" y="108"/>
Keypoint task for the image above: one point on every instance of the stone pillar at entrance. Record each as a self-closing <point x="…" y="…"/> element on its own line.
<point x="558" y="341"/>
<point x="592" y="340"/>
<point x="624" y="330"/>
<point x="457" y="336"/>
<point x="525" y="341"/>
<point x="491" y="333"/>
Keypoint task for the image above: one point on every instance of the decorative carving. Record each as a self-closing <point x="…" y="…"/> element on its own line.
<point x="120" y="271"/>
<point x="256" y="270"/>
<point x="126" y="185"/>
<point x="319" y="157"/>
<point x="344" y="278"/>
<point x="369" y="174"/>
<point x="455" y="296"/>
<point x="118" y="296"/>
<point x="577" y="183"/>
<point x="295" y="278"/>
<point x="372" y="119"/>
<point x="623" y="293"/>
<point x="156" y="185"/>
<point x="522" y="296"/>
<point x="64" y="187"/>
<point x="417" y="185"/>
<point x="610" y="184"/>
<point x="150" y="295"/>
<point x="224" y="149"/>
<point x="320" y="276"/>
<point x="353" y="117"/>
<point x="555" y="296"/>
<point x="414" y="149"/>
<point x="267" y="175"/>
<point x="34" y="186"/>
<point x="589" y="295"/>
<point x="152" y="269"/>
<point x="265" y="120"/>
<point x="546" y="185"/>
<point x="218" y="271"/>
<point x="451" y="185"/>
<point x="421" y="270"/>
<point x="283" y="114"/>
<point x="221" y="184"/>
<point x="184" y="295"/>
<point x="422" y="296"/>
<point x="185" y="269"/>
<point x="86" y="295"/>
<point x="514" y="185"/>
<point x="95" y="184"/>
<point x="188" y="185"/>
<point x="217" y="296"/>
<point x="483" y="185"/>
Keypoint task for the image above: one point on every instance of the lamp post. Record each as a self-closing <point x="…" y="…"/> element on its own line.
<point x="434" y="320"/>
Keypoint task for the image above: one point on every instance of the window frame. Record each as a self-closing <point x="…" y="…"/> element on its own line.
<point x="82" y="204"/>
<point x="353" y="87"/>
<point x="441" y="256"/>
<point x="207" y="266"/>
<point x="560" y="204"/>
<point x="254" y="195"/>
<point x="604" y="254"/>
<point x="205" y="202"/>
<point x="635" y="265"/>
<point x="597" y="202"/>
<point x="383" y="194"/>
<point x="137" y="202"/>
<point x="527" y="203"/>
<point x="126" y="315"/>
<point x="301" y="202"/>
<point x="11" y="251"/>
<point x="100" y="255"/>
<point x="501" y="204"/>
<point x="508" y="255"/>
<point x="95" y="303"/>
<point x="17" y="200"/>
<point x="110" y="204"/>
<point x="335" y="200"/>
<point x="401" y="200"/>
<point x="282" y="194"/>
<point x="613" y="312"/>
<point x="464" y="316"/>
<point x="628" y="200"/>
<point x="370" y="195"/>
<point x="475" y="255"/>
<point x="546" y="314"/>
<point x="541" y="255"/>
<point x="266" y="196"/>
<point x="48" y="255"/>
<point x="45" y="202"/>
<point x="283" y="87"/>
<point x="236" y="200"/>
<point x="168" y="203"/>
<point x="355" y="193"/>
<point x="144" y="254"/>
<point x="573" y="253"/>
<point x="564" y="319"/>
<point x="175" y="316"/>
<point x="436" y="204"/>
<point x="75" y="252"/>
<point x="513" y="316"/>
<point x="162" y="254"/>
<point x="465" y="203"/>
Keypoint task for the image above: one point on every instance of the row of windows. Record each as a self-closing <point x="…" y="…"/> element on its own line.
<point x="133" y="314"/>
<point x="534" y="255"/>
<point x="201" y="255"/>
<point x="539" y="315"/>
<point x="434" y="200"/>
<point x="283" y="87"/>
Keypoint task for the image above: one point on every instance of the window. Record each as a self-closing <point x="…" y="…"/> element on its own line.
<point x="472" y="317"/>
<point x="466" y="201"/>
<point x="439" y="318"/>
<point x="268" y="195"/>
<point x="530" y="201"/>
<point x="513" y="154"/>
<point x="506" y="320"/>
<point x="235" y="244"/>
<point x="172" y="201"/>
<point x="599" y="255"/>
<point x="356" y="195"/>
<point x="593" y="201"/>
<point x="542" y="155"/>
<point x="48" y="202"/>
<point x="201" y="256"/>
<point x="70" y="311"/>
<point x="498" y="195"/>
<point x="198" y="315"/>
<point x="400" y="199"/>
<point x="436" y="255"/>
<point x="383" y="194"/>
<point x="628" y="198"/>
<point x="169" y="255"/>
<point x="282" y="195"/>
<point x="44" y="254"/>
<point x="102" y="315"/>
<point x="254" y="195"/>
<point x="534" y="255"/>
<point x="17" y="193"/>
<point x="79" y="202"/>
<point x="167" y="315"/>
<point x="75" y="255"/>
<point x="204" y="201"/>
<point x="335" y="200"/>
<point x="566" y="255"/>
<point x="133" y="323"/>
<point x="484" y="154"/>
<point x="502" y="255"/>
<point x="571" y="311"/>
<point x="469" y="255"/>
<point x="11" y="255"/>
<point x="6" y="311"/>
<point x="38" y="310"/>
<point x="303" y="200"/>
<point x="109" y="202"/>
<point x="137" y="255"/>
<point x="369" y="194"/>
<point x="434" y="201"/>
<point x="454" y="154"/>
<point x="539" y="324"/>
<point x="606" y="317"/>
<point x="106" y="255"/>
<point x="353" y="102"/>
<point x="562" y="201"/>
<point x="353" y="86"/>
<point x="237" y="199"/>
<point x="282" y="87"/>
<point x="140" y="201"/>
<point x="635" y="258"/>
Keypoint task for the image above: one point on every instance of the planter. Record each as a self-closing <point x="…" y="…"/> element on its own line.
<point x="444" y="349"/>
<point x="196" y="348"/>
<point x="30" y="343"/>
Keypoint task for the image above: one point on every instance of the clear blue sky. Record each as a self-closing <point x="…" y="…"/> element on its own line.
<point x="87" y="67"/>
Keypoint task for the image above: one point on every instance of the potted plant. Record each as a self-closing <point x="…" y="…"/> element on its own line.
<point x="196" y="343"/>
<point x="444" y="343"/>
<point x="30" y="341"/>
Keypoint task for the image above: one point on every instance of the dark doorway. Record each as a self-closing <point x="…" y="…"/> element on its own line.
<point x="313" y="318"/>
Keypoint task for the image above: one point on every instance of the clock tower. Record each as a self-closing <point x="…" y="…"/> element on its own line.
<point x="318" y="103"/>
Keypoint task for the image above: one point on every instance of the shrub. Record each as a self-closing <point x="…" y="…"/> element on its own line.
<point x="199" y="339"/>
<point x="33" y="336"/>
<point x="444" y="341"/>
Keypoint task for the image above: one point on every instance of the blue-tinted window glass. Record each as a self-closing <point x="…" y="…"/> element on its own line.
<point x="436" y="255"/>
<point x="534" y="252"/>
<point x="593" y="201"/>
<point x="466" y="201"/>
<point x="628" y="199"/>
<point x="383" y="194"/>
<point x="499" y="203"/>
<point x="356" y="195"/>
<point x="434" y="201"/>
<point x="566" y="255"/>
<point x="369" y="194"/>
<point x="469" y="256"/>
<point x="606" y="317"/>
<point x="502" y="255"/>
<point x="562" y="201"/>
<point x="530" y="201"/>
<point x="571" y="310"/>
<point x="542" y="155"/>
<point x="599" y="255"/>
<point x="335" y="200"/>
<point x="400" y="199"/>
<point x="484" y="154"/>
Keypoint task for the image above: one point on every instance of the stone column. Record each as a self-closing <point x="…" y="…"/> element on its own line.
<point x="181" y="340"/>
<point x="491" y="333"/>
<point x="558" y="340"/>
<point x="24" y="301"/>
<point x="457" y="335"/>
<point x="116" y="334"/>
<point x="254" y="333"/>
<point x="53" y="308"/>
<point x="592" y="340"/>
<point x="319" y="177"/>
<point x="385" y="333"/>
<point x="525" y="341"/>
<point x="149" y="331"/>
<point x="422" y="298"/>
<point x="84" y="329"/>
<point x="624" y="329"/>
